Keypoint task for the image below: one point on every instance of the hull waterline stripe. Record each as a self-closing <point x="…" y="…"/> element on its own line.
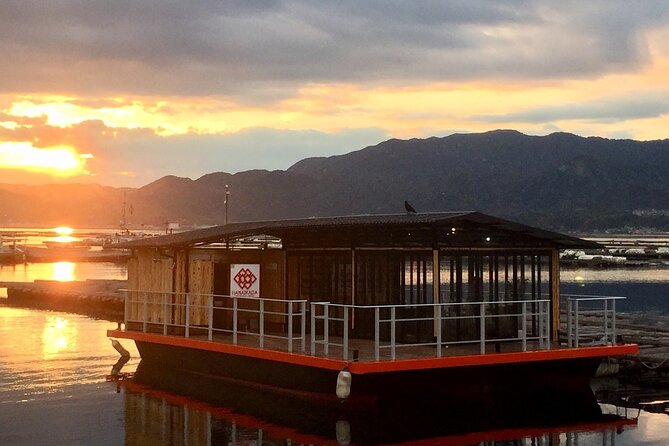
<point x="382" y="366"/>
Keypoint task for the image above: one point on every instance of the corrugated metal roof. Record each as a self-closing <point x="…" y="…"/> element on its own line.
<point x="278" y="227"/>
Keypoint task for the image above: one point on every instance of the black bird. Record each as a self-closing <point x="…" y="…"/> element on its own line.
<point x="409" y="208"/>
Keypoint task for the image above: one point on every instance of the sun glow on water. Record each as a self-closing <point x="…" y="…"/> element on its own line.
<point x="63" y="271"/>
<point x="63" y="230"/>
<point x="58" y="336"/>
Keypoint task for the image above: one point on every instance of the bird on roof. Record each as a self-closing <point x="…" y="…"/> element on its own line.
<point x="409" y="208"/>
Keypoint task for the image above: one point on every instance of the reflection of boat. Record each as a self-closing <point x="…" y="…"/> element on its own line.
<point x="202" y="410"/>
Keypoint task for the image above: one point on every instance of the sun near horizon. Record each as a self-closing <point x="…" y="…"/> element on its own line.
<point x="57" y="160"/>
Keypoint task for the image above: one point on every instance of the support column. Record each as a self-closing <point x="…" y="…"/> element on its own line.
<point x="554" y="270"/>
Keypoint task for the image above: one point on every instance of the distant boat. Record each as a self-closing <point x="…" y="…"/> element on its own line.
<point x="10" y="254"/>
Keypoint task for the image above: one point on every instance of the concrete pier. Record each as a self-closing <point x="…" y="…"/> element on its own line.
<point x="97" y="298"/>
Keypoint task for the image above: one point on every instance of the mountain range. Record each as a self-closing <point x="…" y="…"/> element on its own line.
<point x="559" y="181"/>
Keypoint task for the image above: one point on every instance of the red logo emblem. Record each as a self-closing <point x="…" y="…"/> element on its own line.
<point x="245" y="278"/>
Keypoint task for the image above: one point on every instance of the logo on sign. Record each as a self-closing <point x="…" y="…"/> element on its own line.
<point x="245" y="278"/>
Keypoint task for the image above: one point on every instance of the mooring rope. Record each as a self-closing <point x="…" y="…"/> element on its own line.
<point x="651" y="367"/>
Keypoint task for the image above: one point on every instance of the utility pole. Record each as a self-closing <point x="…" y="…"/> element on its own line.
<point x="227" y="199"/>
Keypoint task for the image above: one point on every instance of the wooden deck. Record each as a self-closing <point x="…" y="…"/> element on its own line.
<point x="406" y="358"/>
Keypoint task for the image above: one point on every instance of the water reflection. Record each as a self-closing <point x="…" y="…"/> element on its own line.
<point x="58" y="336"/>
<point x="217" y="413"/>
<point x="63" y="271"/>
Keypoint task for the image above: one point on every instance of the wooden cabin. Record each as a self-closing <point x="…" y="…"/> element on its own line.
<point x="407" y="259"/>
<point x="409" y="301"/>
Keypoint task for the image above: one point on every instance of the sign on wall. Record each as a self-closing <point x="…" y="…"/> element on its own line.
<point x="245" y="280"/>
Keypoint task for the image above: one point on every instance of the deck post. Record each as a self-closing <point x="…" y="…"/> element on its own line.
<point x="210" y="304"/>
<point x="376" y="333"/>
<point x="187" y="315"/>
<point x="290" y="326"/>
<point x="392" y="332"/>
<point x="326" y="326"/>
<point x="261" y="324"/>
<point x="145" y="312"/>
<point x="524" y="329"/>
<point x="613" y="321"/>
<point x="482" y="326"/>
<point x="303" y="322"/>
<point x="345" y="334"/>
<point x="313" y="328"/>
<point x="164" y="313"/>
<point x="235" y="319"/>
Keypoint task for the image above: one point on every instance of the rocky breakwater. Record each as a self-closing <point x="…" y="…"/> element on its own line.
<point x="97" y="298"/>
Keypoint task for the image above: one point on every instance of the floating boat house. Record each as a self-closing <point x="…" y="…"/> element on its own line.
<point x="417" y="302"/>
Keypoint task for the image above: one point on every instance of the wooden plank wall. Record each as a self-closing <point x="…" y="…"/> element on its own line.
<point x="180" y="288"/>
<point x="200" y="284"/>
<point x="150" y="279"/>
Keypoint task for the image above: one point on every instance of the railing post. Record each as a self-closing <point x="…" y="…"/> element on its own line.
<point x="303" y="322"/>
<point x="210" y="310"/>
<point x="261" y="324"/>
<point x="164" y="313"/>
<point x="613" y="321"/>
<point x="187" y="315"/>
<point x="126" y="306"/>
<point x="145" y="311"/>
<point x="345" y="334"/>
<point x="313" y="329"/>
<point x="570" y="340"/>
<point x="541" y="315"/>
<point x="235" y="319"/>
<point x="392" y="332"/>
<point x="606" y="319"/>
<point x="376" y="333"/>
<point x="523" y="326"/>
<point x="439" y="307"/>
<point x="326" y="329"/>
<point x="576" y="335"/>
<point x="290" y="326"/>
<point x="482" y="326"/>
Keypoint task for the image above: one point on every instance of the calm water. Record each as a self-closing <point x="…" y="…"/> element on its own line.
<point x="53" y="390"/>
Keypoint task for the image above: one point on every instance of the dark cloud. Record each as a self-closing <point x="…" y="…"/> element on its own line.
<point x="633" y="106"/>
<point x="263" y="50"/>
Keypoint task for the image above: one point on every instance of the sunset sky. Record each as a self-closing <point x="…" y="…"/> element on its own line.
<point x="124" y="92"/>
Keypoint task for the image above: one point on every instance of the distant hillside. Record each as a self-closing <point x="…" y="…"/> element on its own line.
<point x="561" y="181"/>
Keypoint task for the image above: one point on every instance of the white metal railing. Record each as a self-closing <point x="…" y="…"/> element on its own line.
<point x="394" y="317"/>
<point x="333" y="328"/>
<point x="193" y="314"/>
<point x="591" y="319"/>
